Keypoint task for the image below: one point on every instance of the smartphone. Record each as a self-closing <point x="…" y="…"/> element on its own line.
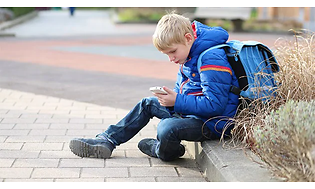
<point x="158" y="90"/>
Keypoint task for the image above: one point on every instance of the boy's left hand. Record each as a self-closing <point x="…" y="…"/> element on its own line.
<point x="167" y="100"/>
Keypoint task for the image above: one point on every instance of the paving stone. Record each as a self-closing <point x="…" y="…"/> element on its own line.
<point x="84" y="112"/>
<point x="43" y="146"/>
<point x="31" y="126"/>
<point x="87" y="120"/>
<point x="134" y="179"/>
<point x="15" y="172"/>
<point x="96" y="126"/>
<point x="81" y="180"/>
<point x="66" y="126"/>
<point x="58" y="139"/>
<point x="130" y="153"/>
<point x="48" y="132"/>
<point x="11" y="146"/>
<point x="36" y="163"/>
<point x="6" y="162"/>
<point x="81" y="132"/>
<point x="97" y="116"/>
<point x="18" y="120"/>
<point x="111" y="121"/>
<point x="26" y="139"/>
<point x="127" y="162"/>
<point x="3" y="138"/>
<point x="7" y="126"/>
<point x="99" y="108"/>
<point x="152" y="171"/>
<point x="57" y="116"/>
<point x="57" y="154"/>
<point x="10" y="115"/>
<point x="52" y="120"/>
<point x="104" y="172"/>
<point x="54" y="112"/>
<point x="118" y="153"/>
<point x="17" y="115"/>
<point x="66" y="146"/>
<point x="29" y="180"/>
<point x="12" y="107"/>
<point x="56" y="173"/>
<point x="70" y="108"/>
<point x="188" y="172"/>
<point x="7" y="132"/>
<point x="20" y="112"/>
<point x="180" y="179"/>
<point x="27" y="102"/>
<point x="33" y="115"/>
<point x="85" y="162"/>
<point x="3" y="111"/>
<point x="18" y="154"/>
<point x="41" y="108"/>
<point x="128" y="146"/>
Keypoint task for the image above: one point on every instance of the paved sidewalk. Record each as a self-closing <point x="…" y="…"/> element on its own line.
<point x="35" y="131"/>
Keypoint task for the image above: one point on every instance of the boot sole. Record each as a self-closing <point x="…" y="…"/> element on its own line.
<point x="83" y="149"/>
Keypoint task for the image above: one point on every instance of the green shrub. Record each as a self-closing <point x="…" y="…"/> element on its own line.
<point x="20" y="11"/>
<point x="135" y="15"/>
<point x="286" y="142"/>
<point x="225" y="24"/>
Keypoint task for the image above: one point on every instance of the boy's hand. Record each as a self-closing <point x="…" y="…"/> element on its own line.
<point x="167" y="100"/>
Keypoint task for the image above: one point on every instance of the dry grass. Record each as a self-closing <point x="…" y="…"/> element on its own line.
<point x="296" y="78"/>
<point x="297" y="62"/>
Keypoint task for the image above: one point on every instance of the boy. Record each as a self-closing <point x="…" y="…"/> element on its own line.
<point x="196" y="98"/>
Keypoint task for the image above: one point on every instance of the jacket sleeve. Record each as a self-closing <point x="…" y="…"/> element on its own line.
<point x="216" y="78"/>
<point x="176" y="88"/>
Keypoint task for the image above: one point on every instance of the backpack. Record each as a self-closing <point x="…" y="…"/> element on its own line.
<point x="253" y="64"/>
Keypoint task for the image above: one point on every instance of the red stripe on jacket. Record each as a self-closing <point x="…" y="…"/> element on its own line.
<point x="216" y="68"/>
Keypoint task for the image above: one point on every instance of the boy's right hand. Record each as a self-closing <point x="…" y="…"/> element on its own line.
<point x="167" y="100"/>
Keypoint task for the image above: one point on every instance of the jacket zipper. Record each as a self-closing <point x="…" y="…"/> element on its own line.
<point x="183" y="83"/>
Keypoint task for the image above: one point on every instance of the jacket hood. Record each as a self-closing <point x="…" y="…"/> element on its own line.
<point x="206" y="37"/>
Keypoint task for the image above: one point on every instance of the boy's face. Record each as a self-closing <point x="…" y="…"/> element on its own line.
<point x="178" y="53"/>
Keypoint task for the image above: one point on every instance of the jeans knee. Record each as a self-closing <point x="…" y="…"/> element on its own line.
<point x="165" y="130"/>
<point x="148" y="101"/>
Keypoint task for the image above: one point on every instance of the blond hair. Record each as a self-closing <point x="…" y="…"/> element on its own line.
<point x="171" y="29"/>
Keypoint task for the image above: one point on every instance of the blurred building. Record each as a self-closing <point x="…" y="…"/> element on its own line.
<point x="304" y="15"/>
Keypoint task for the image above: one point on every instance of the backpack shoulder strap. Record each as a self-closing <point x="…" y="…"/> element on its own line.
<point x="199" y="63"/>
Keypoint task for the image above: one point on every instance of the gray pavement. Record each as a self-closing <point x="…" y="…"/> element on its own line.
<point x="58" y="23"/>
<point x="107" y="89"/>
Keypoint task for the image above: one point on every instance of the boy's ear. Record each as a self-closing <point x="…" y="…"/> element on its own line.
<point x="189" y="37"/>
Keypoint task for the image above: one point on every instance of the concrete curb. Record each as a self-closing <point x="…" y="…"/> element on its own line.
<point x="227" y="165"/>
<point x="11" y="23"/>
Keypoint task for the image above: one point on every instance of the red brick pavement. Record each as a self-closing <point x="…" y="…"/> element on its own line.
<point x="41" y="52"/>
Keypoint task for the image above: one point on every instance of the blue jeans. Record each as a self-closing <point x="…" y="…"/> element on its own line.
<point x="170" y="131"/>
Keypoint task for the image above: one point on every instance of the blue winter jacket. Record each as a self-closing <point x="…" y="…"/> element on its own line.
<point x="207" y="95"/>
